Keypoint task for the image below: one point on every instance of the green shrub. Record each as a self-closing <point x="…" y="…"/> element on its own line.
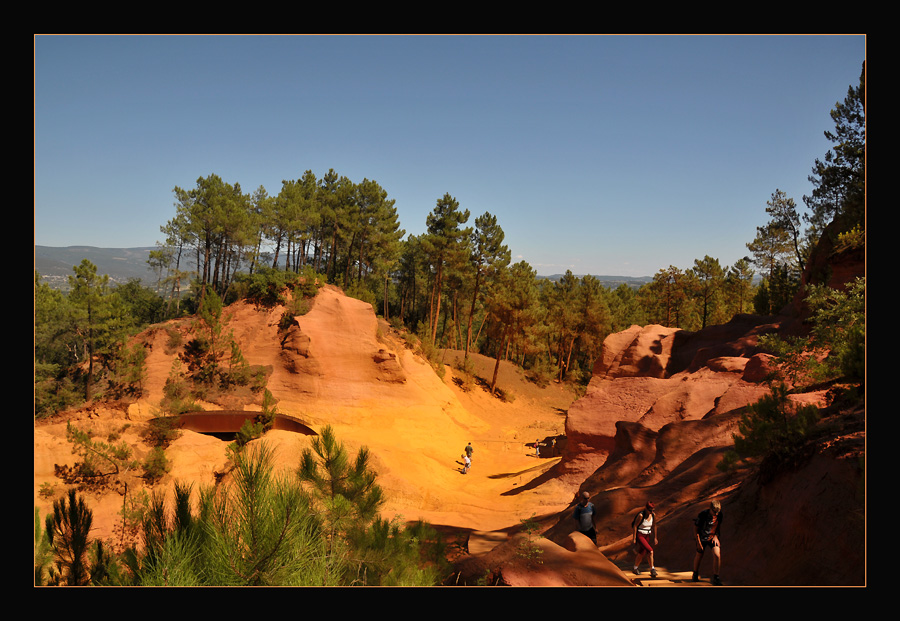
<point x="540" y="373"/>
<point x="840" y="326"/>
<point x="774" y="428"/>
<point x="54" y="390"/>
<point x="249" y="431"/>
<point x="178" y="393"/>
<point x="128" y="371"/>
<point x="48" y="490"/>
<point x="527" y="547"/>
<point x="98" y="458"/>
<point x="297" y="307"/>
<point x="506" y="396"/>
<point x="156" y="465"/>
<point x="849" y="240"/>
<point x="410" y="339"/>
<point x="360" y="292"/>
<point x="265" y="287"/>
<point x="309" y="282"/>
<point x="425" y="347"/>
<point x="466" y="366"/>
<point x="174" y="340"/>
<point x="836" y="346"/>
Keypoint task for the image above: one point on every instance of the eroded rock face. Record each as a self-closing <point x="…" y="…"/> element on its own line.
<point x="295" y="352"/>
<point x="739" y="338"/>
<point x="758" y="368"/>
<point x="389" y="369"/>
<point x="656" y="376"/>
<point x="636" y="352"/>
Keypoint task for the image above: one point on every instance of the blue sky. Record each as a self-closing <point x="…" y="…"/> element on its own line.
<point x="614" y="155"/>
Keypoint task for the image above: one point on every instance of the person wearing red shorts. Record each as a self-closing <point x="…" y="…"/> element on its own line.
<point x="644" y="537"/>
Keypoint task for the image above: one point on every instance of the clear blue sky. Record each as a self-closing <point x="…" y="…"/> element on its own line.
<point x="617" y="155"/>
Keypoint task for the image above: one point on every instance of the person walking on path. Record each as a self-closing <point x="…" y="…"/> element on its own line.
<point x="469" y="450"/>
<point x="584" y="517"/>
<point x="467" y="462"/>
<point x="708" y="528"/>
<point x="644" y="537"/>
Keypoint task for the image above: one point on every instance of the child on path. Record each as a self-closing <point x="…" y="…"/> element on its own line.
<point x="466" y="463"/>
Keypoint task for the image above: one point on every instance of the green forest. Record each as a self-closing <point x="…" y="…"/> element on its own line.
<point x="452" y="287"/>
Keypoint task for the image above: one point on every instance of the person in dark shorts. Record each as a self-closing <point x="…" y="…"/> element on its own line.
<point x="584" y="517"/>
<point x="644" y="537"/>
<point x="708" y="529"/>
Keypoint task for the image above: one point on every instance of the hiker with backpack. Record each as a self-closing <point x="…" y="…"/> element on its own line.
<point x="644" y="537"/>
<point x="708" y="527"/>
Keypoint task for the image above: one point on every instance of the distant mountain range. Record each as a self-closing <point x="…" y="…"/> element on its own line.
<point x="55" y="264"/>
<point x="611" y="282"/>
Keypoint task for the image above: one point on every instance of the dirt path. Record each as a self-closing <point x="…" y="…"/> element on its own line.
<point x="417" y="430"/>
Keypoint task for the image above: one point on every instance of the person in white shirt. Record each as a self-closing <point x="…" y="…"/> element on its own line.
<point x="644" y="537"/>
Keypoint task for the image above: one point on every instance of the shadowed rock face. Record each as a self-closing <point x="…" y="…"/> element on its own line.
<point x="656" y="376"/>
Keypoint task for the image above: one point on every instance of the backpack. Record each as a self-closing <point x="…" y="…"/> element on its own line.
<point x="639" y="517"/>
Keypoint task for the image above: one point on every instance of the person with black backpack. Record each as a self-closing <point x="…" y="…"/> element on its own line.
<point x="708" y="529"/>
<point x="643" y="528"/>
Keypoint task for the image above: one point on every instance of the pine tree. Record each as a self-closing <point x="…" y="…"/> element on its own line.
<point x="840" y="180"/>
<point x="512" y="304"/>
<point x="348" y="489"/>
<point x="442" y="244"/>
<point x="739" y="284"/>
<point x="489" y="254"/>
<point x="89" y="296"/>
<point x="784" y="216"/>
<point x="68" y="531"/>
<point x="709" y="277"/>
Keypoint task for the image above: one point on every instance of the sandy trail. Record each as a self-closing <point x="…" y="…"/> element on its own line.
<point x="417" y="430"/>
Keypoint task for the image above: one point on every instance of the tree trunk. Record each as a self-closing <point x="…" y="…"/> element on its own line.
<point x="435" y="310"/>
<point x="472" y="314"/>
<point x="500" y="351"/>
